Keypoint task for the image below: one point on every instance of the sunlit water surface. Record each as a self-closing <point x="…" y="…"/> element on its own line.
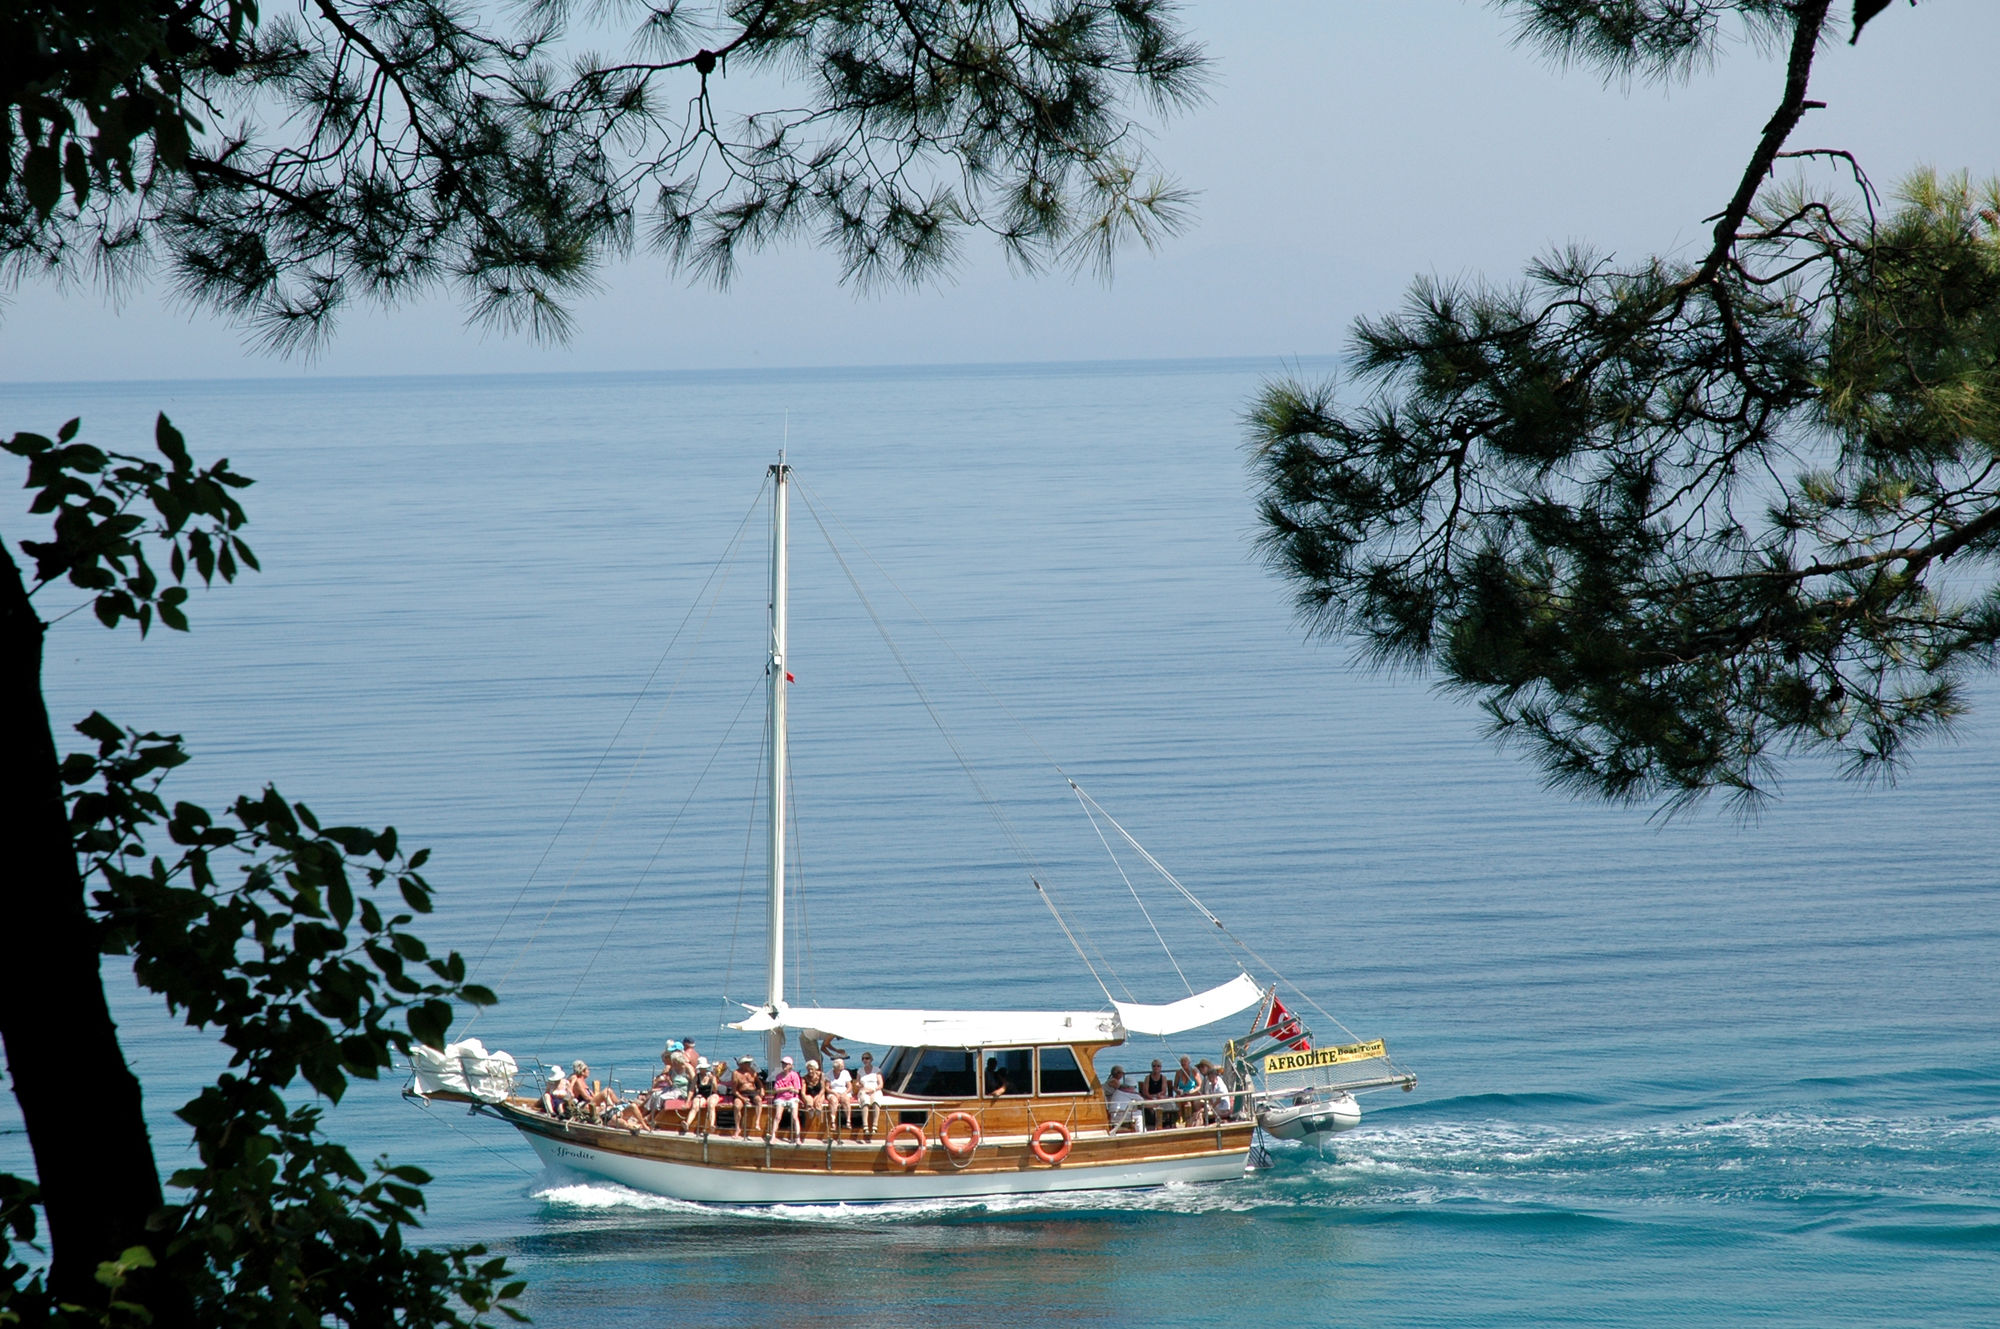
<point x="1700" y="1072"/>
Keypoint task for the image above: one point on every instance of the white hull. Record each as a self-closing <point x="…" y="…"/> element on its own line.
<point x="1303" y="1122"/>
<point x="720" y="1185"/>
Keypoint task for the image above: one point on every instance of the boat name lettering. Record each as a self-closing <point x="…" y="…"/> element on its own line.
<point x="1300" y="1061"/>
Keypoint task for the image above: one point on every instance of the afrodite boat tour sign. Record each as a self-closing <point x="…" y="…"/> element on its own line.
<point x="1305" y="1061"/>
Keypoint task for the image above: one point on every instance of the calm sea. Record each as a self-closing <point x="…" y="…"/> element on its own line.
<point x="1700" y="1072"/>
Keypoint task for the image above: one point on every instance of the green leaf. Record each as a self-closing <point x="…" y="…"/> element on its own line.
<point x="418" y="898"/>
<point x="41" y="176"/>
<point x="428" y="1022"/>
<point x="170" y="442"/>
<point x="76" y="170"/>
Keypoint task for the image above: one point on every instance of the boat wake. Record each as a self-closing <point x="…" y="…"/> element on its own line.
<point x="1925" y="1179"/>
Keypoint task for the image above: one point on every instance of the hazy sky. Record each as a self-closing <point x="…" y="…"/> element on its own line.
<point x="1346" y="147"/>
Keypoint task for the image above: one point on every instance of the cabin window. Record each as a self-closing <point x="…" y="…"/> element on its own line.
<point x="1061" y="1074"/>
<point x="1013" y="1067"/>
<point x="895" y="1066"/>
<point x="943" y="1073"/>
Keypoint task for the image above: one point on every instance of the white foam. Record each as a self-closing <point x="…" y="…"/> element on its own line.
<point x="1499" y="1161"/>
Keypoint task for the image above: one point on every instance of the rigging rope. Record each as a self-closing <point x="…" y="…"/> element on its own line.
<point x="992" y="805"/>
<point x="640" y="880"/>
<point x="720" y="567"/>
<point x="1145" y="912"/>
<point x="1208" y="913"/>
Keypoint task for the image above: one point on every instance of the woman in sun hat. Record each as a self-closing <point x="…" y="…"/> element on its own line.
<point x="703" y="1098"/>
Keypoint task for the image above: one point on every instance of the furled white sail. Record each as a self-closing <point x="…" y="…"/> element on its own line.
<point x="948" y="1029"/>
<point x="1238" y="994"/>
<point x="464" y="1068"/>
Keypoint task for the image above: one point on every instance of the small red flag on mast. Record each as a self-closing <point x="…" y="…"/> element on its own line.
<point x="1285" y="1027"/>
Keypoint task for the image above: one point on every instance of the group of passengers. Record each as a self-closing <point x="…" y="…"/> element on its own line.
<point x="690" y="1091"/>
<point x="1195" y="1094"/>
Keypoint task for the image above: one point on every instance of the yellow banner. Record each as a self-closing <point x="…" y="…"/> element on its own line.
<point x="1303" y="1061"/>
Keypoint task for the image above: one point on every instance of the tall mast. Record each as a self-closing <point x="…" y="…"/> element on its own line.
<point x="780" y="572"/>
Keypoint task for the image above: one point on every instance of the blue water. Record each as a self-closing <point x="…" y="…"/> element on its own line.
<point x="1696" y="1072"/>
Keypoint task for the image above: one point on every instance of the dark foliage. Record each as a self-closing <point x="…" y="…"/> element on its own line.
<point x="285" y="162"/>
<point x="285" y="939"/>
<point x="1671" y="521"/>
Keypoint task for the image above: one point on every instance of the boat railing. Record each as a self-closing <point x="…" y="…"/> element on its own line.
<point x="1065" y="1111"/>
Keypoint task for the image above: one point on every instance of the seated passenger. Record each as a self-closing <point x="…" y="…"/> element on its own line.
<point x="1187" y="1088"/>
<point x="785" y="1093"/>
<point x="1156" y="1088"/>
<point x="659" y="1092"/>
<point x="628" y="1117"/>
<point x="555" y="1098"/>
<point x="703" y="1098"/>
<point x="1122" y="1101"/>
<point x="590" y="1100"/>
<point x="996" y="1081"/>
<point x="1220" y="1102"/>
<point x="748" y="1092"/>
<point x="813" y="1095"/>
<point x="839" y="1098"/>
<point x="871" y="1096"/>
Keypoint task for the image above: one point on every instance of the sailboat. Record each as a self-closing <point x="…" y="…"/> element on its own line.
<point x="973" y="1103"/>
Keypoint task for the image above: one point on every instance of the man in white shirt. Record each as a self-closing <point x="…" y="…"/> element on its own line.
<point x="1122" y="1100"/>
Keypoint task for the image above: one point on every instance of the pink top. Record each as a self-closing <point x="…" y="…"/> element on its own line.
<point x="787" y="1085"/>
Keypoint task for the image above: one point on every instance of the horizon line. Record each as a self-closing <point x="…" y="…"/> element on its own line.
<point x="949" y="366"/>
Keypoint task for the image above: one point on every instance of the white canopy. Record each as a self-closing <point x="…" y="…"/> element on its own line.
<point x="949" y="1029"/>
<point x="987" y="1029"/>
<point x="1238" y="994"/>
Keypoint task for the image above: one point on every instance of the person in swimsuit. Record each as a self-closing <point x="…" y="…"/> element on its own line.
<point x="703" y="1098"/>
<point x="748" y="1092"/>
<point x="556" y="1101"/>
<point x="1187" y="1085"/>
<point x="812" y="1097"/>
<point x="593" y="1102"/>
<point x="1153" y="1088"/>
<point x="786" y="1091"/>
<point x="661" y="1091"/>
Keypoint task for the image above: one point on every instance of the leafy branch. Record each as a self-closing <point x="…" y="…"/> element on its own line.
<point x="1671" y="521"/>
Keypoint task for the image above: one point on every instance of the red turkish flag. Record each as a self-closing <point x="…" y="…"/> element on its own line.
<point x="1287" y="1028"/>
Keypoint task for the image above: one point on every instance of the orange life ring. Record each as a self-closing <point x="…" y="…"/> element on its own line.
<point x="964" y="1148"/>
<point x="1042" y="1151"/>
<point x="911" y="1132"/>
